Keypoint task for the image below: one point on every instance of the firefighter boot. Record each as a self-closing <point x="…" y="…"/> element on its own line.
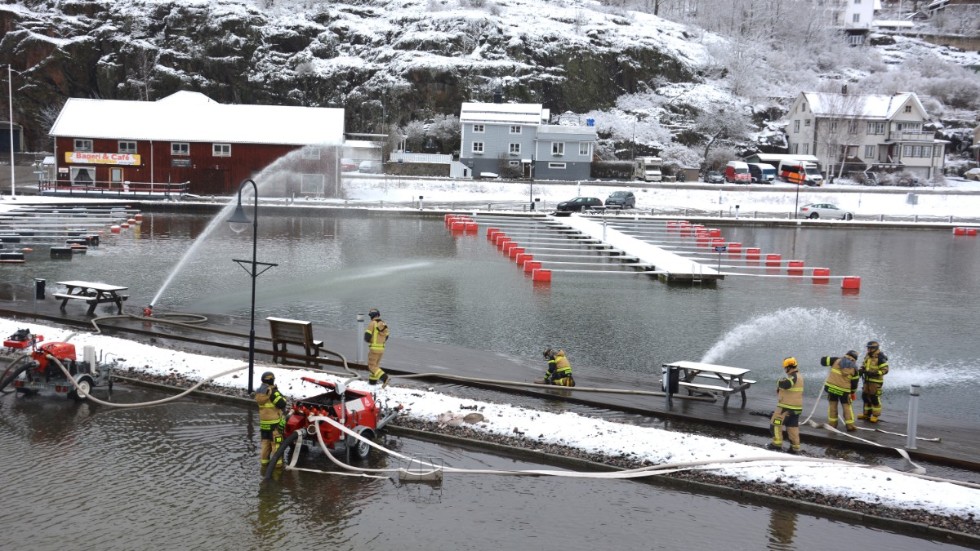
<point x="794" y="439"/>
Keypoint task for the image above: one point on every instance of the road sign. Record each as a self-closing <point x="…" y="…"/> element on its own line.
<point x="720" y="248"/>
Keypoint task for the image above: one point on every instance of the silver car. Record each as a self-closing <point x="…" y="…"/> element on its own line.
<point x="825" y="210"/>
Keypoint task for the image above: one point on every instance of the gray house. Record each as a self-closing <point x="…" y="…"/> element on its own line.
<point x="514" y="139"/>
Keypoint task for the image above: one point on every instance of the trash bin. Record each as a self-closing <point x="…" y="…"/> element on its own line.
<point x="670" y="379"/>
<point x="39" y="289"/>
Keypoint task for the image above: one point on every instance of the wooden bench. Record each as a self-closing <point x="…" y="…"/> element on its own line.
<point x="286" y="331"/>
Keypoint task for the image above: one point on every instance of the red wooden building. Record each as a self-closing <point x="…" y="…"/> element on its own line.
<point x="188" y="141"/>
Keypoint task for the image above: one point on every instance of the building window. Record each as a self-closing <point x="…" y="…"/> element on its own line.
<point x="311" y="184"/>
<point x="557" y="148"/>
<point x="557" y="166"/>
<point x="833" y="126"/>
<point x="869" y="152"/>
<point x="127" y="147"/>
<point x="876" y="128"/>
<point x="180" y="149"/>
<point x="908" y="108"/>
<point x="907" y="151"/>
<point x="585" y="149"/>
<point x="479" y="128"/>
<point x="515" y="149"/>
<point x="857" y="2"/>
<point x="852" y="127"/>
<point x="515" y="129"/>
<point x="83" y="145"/>
<point x="478" y="147"/>
<point x="806" y="149"/>
<point x="221" y="150"/>
<point x="311" y="152"/>
<point x="795" y="148"/>
<point x="796" y="126"/>
<point x="806" y="123"/>
<point x="856" y="18"/>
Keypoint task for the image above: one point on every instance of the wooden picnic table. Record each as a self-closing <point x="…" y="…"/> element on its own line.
<point x="718" y="380"/>
<point x="92" y="293"/>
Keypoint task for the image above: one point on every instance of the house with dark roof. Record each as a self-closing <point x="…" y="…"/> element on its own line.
<point x="203" y="146"/>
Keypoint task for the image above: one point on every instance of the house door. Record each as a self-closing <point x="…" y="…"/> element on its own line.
<point x="526" y="168"/>
<point x="115" y="177"/>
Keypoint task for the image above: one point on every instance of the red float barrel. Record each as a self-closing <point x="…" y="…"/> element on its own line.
<point x="972" y="232"/>
<point x="521" y="258"/>
<point x="514" y="251"/>
<point x="959" y="231"/>
<point x="734" y="248"/>
<point x="531" y="265"/>
<point x="491" y="232"/>
<point x="794" y="267"/>
<point x="471" y="227"/>
<point x="752" y="253"/>
<point x="114" y="229"/>
<point x="851" y="283"/>
<point x="774" y="259"/>
<point x="821" y="275"/>
<point x="714" y="232"/>
<point x="541" y="275"/>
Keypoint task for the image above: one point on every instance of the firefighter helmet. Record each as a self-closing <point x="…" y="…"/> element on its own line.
<point x="852" y="354"/>
<point x="548" y="353"/>
<point x="789" y="362"/>
<point x="374" y="313"/>
<point x="268" y="377"/>
<point x="873" y="345"/>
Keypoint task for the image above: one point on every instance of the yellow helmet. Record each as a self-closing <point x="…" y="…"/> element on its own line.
<point x="789" y="362"/>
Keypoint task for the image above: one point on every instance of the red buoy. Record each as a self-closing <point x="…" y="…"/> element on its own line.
<point x="821" y="275"/>
<point x="541" y="275"/>
<point x="774" y="259"/>
<point x="851" y="282"/>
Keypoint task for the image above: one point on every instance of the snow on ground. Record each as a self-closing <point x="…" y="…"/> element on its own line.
<point x="872" y="485"/>
<point x="775" y="199"/>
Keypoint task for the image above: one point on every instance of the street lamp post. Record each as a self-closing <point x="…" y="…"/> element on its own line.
<point x="796" y="208"/>
<point x="10" y="103"/>
<point x="239" y="222"/>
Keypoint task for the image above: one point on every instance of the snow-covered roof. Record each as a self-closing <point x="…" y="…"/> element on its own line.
<point x="879" y="106"/>
<point x="504" y="113"/>
<point x="564" y="131"/>
<point x="194" y="117"/>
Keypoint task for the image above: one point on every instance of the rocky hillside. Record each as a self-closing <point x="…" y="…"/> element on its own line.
<point x="384" y="61"/>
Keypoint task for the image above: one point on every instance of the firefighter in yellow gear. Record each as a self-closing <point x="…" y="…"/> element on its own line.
<point x="376" y="335"/>
<point x="559" y="369"/>
<point x="873" y="371"/>
<point x="272" y="418"/>
<point x="789" y="406"/>
<point x="841" y="385"/>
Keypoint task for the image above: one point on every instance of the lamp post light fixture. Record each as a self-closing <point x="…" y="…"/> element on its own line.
<point x="238" y="222"/>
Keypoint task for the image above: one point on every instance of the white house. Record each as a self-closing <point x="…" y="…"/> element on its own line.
<point x="865" y="132"/>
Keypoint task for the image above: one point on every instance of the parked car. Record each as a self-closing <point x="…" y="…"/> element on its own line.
<point x="347" y="165"/>
<point x="621" y="200"/>
<point x="370" y="167"/>
<point x="762" y="173"/>
<point x="825" y="210"/>
<point x="972" y="174"/>
<point x="578" y="204"/>
<point x="714" y="177"/>
<point x="737" y="172"/>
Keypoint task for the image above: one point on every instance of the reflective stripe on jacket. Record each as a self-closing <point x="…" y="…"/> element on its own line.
<point x="377" y="331"/>
<point x="559" y="367"/>
<point x="789" y="393"/>
<point x="271" y="405"/>
<point x="875" y="368"/>
<point x="843" y="376"/>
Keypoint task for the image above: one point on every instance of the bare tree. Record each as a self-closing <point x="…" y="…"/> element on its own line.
<point x="727" y="123"/>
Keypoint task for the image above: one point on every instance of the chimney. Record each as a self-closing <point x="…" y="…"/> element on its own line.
<point x="498" y="94"/>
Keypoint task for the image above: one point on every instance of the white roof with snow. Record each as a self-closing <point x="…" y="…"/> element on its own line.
<point x="877" y="106"/>
<point x="504" y="113"/>
<point x="194" y="117"/>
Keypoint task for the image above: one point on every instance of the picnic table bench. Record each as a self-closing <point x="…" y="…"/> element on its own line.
<point x="288" y="331"/>
<point x="92" y="293"/>
<point x="716" y="380"/>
